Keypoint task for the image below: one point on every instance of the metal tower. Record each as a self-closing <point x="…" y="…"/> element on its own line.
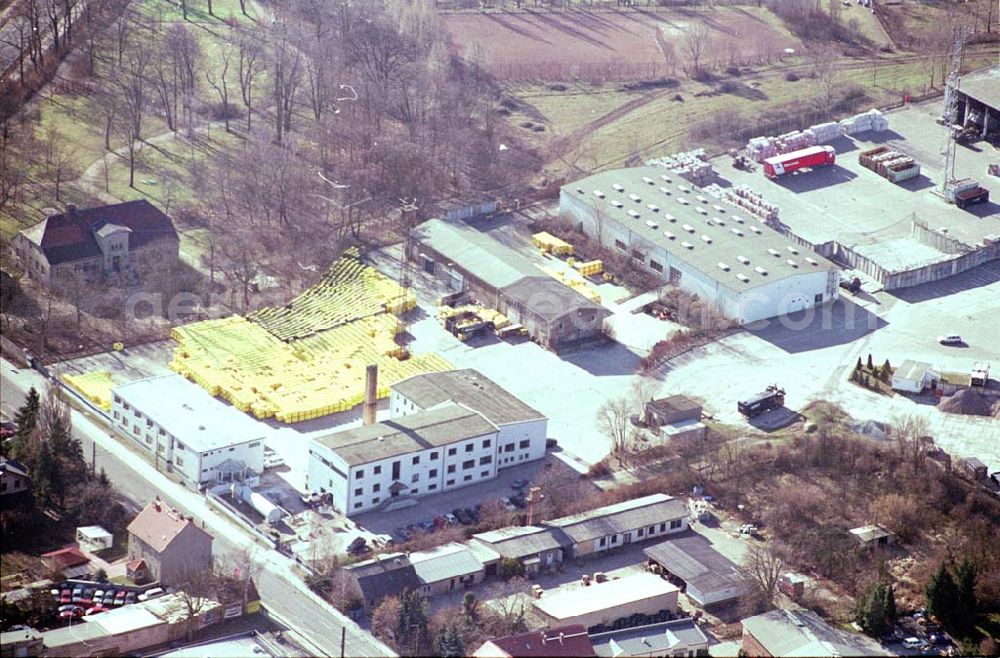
<point x="957" y="51"/>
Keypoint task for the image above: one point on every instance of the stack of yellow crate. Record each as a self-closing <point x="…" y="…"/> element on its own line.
<point x="95" y="386"/>
<point x="551" y="244"/>
<point x="590" y="268"/>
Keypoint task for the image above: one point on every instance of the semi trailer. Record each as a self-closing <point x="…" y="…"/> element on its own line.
<point x="811" y="157"/>
<point x="770" y="398"/>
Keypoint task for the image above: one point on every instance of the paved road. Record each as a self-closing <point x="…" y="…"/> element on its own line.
<point x="283" y="593"/>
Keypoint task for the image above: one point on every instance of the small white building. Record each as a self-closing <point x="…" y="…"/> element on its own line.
<point x="603" y="603"/>
<point x="522" y="429"/>
<point x="415" y="455"/>
<point x="914" y="377"/>
<point x="188" y="431"/>
<point x="93" y="538"/>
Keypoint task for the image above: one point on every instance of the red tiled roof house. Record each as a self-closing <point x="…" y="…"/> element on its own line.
<point x="168" y="543"/>
<point x="129" y="238"/>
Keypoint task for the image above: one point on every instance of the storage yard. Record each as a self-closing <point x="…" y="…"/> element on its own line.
<point x="890" y="222"/>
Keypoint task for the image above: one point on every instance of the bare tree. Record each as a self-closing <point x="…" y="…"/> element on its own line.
<point x="613" y="419"/>
<point x="131" y="82"/>
<point x="762" y="569"/>
<point x="824" y="63"/>
<point x="695" y="43"/>
<point x="195" y="585"/>
<point x="912" y="439"/>
<point x="250" y="65"/>
<point x="286" y="73"/>
<point x="510" y="601"/>
<point x="220" y="84"/>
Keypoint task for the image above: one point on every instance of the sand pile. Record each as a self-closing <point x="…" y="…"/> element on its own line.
<point x="966" y="402"/>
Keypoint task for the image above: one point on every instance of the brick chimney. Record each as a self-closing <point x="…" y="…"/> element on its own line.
<point x="370" y="405"/>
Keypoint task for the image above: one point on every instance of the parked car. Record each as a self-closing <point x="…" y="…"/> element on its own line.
<point x="88" y="595"/>
<point x="130" y="597"/>
<point x="402" y="533"/>
<point x="68" y="606"/>
<point x="914" y="643"/>
<point x="427" y="526"/>
<point x="520" y="502"/>
<point x="507" y="504"/>
<point x="65" y="596"/>
<point x="451" y="519"/>
<point x="76" y="611"/>
<point x="518" y="484"/>
<point x="440" y="522"/>
<point x="120" y="597"/>
<point x="94" y="610"/>
<point x="99" y="595"/>
<point x="151" y="594"/>
<point x="950" y="339"/>
<point x="109" y="598"/>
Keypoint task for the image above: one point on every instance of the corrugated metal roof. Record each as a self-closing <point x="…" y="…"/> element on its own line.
<point x="621" y="517"/>
<point x="470" y="388"/>
<point x="983" y="85"/>
<point x="566" y="604"/>
<point x="444" y="563"/>
<point x="803" y="633"/>
<point x="523" y="541"/>
<point x="691" y="558"/>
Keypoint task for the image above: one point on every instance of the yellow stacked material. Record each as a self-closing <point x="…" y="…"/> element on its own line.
<point x="350" y="290"/>
<point x="590" y="268"/>
<point x="95" y="386"/>
<point x="586" y="290"/>
<point x="498" y="319"/>
<point x="551" y="244"/>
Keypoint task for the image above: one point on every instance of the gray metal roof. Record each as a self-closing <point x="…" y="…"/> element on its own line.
<point x="550" y="299"/>
<point x="621" y="517"/>
<point x="406" y="434"/>
<point x="522" y="541"/>
<point x="706" y="233"/>
<point x="445" y="562"/>
<point x="470" y="388"/>
<point x="912" y="370"/>
<point x="983" y="85"/>
<point x="474" y="252"/>
<point x="385" y="575"/>
<point x="654" y="640"/>
<point x="803" y="633"/>
<point x="869" y="533"/>
<point x="691" y="558"/>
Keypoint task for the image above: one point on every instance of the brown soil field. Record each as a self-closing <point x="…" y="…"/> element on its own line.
<point x="617" y="44"/>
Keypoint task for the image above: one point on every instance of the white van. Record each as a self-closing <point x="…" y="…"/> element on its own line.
<point x="151" y="594"/>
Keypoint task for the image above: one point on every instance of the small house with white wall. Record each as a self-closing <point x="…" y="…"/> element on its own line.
<point x="914" y="377"/>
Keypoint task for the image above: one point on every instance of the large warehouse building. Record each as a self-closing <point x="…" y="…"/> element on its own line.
<point x="554" y="315"/>
<point x="748" y="271"/>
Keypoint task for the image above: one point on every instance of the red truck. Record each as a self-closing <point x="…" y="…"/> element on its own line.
<point x="813" y="156"/>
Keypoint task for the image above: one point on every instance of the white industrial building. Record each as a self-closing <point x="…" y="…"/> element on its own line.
<point x="446" y="430"/>
<point x="522" y="429"/>
<point x="189" y="432"/>
<point x="914" y="377"/>
<point x="602" y="603"/>
<point x="747" y="270"/>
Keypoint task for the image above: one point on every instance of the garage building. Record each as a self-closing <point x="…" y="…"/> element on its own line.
<point x="554" y="315"/>
<point x="604" y="603"/>
<point x="747" y="270"/>
<point x="709" y="578"/>
<point x="914" y="377"/>
<point x="979" y="100"/>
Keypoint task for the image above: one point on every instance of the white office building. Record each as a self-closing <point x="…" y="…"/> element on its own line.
<point x="744" y="268"/>
<point x="188" y="431"/>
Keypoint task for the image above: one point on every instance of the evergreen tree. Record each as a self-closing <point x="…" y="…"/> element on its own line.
<point x="68" y="454"/>
<point x="876" y="608"/>
<point x="886" y="371"/>
<point x="942" y="596"/>
<point x="871" y="364"/>
<point x="859" y="366"/>
<point x="965" y="581"/>
<point x="44" y="473"/>
<point x="448" y="643"/>
<point x="470" y="607"/>
<point x="411" y="624"/>
<point x="25" y="420"/>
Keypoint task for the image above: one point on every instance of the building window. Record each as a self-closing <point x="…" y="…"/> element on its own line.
<point x="376" y="488"/>
<point x="179" y="460"/>
<point x="180" y="446"/>
<point x="416" y="460"/>
<point x="449" y="483"/>
<point x="651" y="529"/>
<point x="486" y="443"/>
<point x="603" y="542"/>
<point x="467" y="478"/>
<point x="620" y="244"/>
<point x="524" y="444"/>
<point x="115" y="415"/>
<point x="358" y="491"/>
<point x="162" y="431"/>
<point x="637" y="255"/>
<point x="375" y="500"/>
<point x="676" y="523"/>
<point x="509" y="447"/>
<point x="451" y="468"/>
<point x="675" y="275"/>
<point x="149" y="422"/>
<point x="614" y="539"/>
<point x="433" y="473"/>
<point x="452" y="452"/>
<point x="433" y="487"/>
<point x="655" y="265"/>
<point x="642" y="532"/>
<point x="469" y="447"/>
<point x="118" y="400"/>
<point x="415" y="477"/>
<point x="488" y="459"/>
<point x="357" y="505"/>
<point x="434" y="455"/>
<point x="466" y="465"/>
<point x="358" y="474"/>
<point x="663" y="527"/>
<point x="377" y="470"/>
<point x="818" y="298"/>
<point x="484" y="474"/>
<point x="137" y="414"/>
<point x="125" y="406"/>
<point x="414" y="491"/>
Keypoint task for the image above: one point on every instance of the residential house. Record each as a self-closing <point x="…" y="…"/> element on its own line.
<point x="447" y="568"/>
<point x="132" y="238"/>
<point x="569" y="641"/>
<point x="678" y="637"/>
<point x="68" y="562"/>
<point x="190" y="432"/>
<point x="705" y="575"/>
<point x="802" y="633"/>
<point x="871" y="536"/>
<point x="604" y="603"/>
<point x="615" y="525"/>
<point x="15" y="484"/>
<point x="534" y="547"/>
<point x="914" y="377"/>
<point x="169" y="543"/>
<point x="384" y="575"/>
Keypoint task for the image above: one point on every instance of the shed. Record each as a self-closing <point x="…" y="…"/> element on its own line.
<point x="974" y="468"/>
<point x="707" y="577"/>
<point x="604" y="603"/>
<point x="672" y="410"/>
<point x="914" y="377"/>
<point x="93" y="538"/>
<point x="873" y="535"/>
<point x="69" y="561"/>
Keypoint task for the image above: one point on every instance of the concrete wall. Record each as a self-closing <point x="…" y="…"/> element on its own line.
<point x="752" y="647"/>
<point x="653" y="530"/>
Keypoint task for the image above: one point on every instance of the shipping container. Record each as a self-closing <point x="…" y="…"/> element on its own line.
<point x="899" y="173"/>
<point x="865" y="157"/>
<point x="971" y="197"/>
<point x="814" y="156"/>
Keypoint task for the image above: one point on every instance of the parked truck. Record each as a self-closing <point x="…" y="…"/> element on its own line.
<point x="770" y="398"/>
<point x="811" y="157"/>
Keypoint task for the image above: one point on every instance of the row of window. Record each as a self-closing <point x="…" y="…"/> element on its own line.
<point x="469" y="447"/>
<point x="642" y="532"/>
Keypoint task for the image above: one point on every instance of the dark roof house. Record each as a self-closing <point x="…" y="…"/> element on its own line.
<point x="382" y="576"/>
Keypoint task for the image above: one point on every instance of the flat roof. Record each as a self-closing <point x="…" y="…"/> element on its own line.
<point x="870" y="532"/>
<point x="238" y="647"/>
<point x="900" y="254"/>
<point x="653" y="639"/>
<point x="411" y="433"/>
<point x="577" y="601"/>
<point x="621" y="517"/>
<point x="694" y="227"/>
<point x="911" y="370"/>
<point x="691" y="558"/>
<point x="127" y="619"/>
<point x="189" y="413"/>
<point x="983" y="85"/>
<point x="470" y="388"/>
<point x="804" y="633"/>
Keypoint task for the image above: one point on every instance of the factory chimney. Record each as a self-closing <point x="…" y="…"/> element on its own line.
<point x="371" y="395"/>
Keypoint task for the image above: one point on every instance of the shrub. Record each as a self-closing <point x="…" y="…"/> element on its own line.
<point x="510" y="568"/>
<point x="791" y="77"/>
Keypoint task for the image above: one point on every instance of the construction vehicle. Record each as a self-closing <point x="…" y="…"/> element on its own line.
<point x="466" y="324"/>
<point x="770" y="398"/>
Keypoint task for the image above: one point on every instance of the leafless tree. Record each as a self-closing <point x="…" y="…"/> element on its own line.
<point x="911" y="433"/>
<point x="220" y="84"/>
<point x="195" y="585"/>
<point x="824" y="62"/>
<point x="613" y="419"/>
<point x="131" y="82"/>
<point x="286" y="74"/>
<point x="695" y="43"/>
<point x="510" y="600"/>
<point x="762" y="569"/>
<point x="250" y="65"/>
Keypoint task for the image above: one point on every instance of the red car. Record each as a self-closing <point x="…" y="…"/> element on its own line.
<point x="120" y="597"/>
<point x="65" y="596"/>
<point x="97" y="609"/>
<point x="76" y="611"/>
